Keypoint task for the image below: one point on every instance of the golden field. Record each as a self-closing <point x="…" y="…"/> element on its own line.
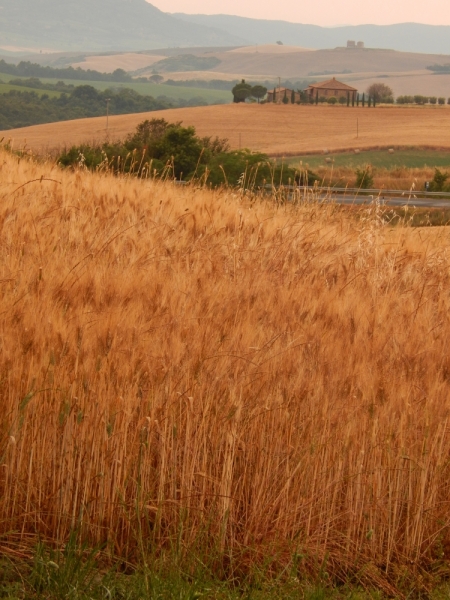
<point x="274" y="129"/>
<point x="202" y="367"/>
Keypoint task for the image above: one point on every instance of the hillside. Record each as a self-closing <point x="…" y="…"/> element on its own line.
<point x="407" y="37"/>
<point x="267" y="128"/>
<point x="99" y="25"/>
<point x="298" y="63"/>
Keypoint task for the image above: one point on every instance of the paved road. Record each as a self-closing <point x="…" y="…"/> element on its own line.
<point x="387" y="201"/>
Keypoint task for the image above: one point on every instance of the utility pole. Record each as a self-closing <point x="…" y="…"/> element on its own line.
<point x="108" y="100"/>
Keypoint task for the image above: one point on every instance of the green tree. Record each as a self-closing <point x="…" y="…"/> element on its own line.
<point x="380" y="92"/>
<point x="156" y="78"/>
<point x="332" y="100"/>
<point x="258" y="92"/>
<point x="439" y="179"/>
<point x="241" y="91"/>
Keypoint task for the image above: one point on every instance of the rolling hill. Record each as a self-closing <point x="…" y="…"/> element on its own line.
<point x="407" y="37"/>
<point x="99" y="25"/>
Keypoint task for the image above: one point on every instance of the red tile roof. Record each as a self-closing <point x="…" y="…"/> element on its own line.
<point x="333" y="84"/>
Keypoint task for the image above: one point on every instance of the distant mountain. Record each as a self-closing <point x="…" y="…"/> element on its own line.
<point x="406" y="37"/>
<point x="116" y="25"/>
<point x="98" y="25"/>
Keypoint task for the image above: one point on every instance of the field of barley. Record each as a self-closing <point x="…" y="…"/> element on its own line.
<point x="274" y="129"/>
<point x="185" y="368"/>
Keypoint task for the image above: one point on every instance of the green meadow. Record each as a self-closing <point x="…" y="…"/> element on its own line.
<point x="409" y="158"/>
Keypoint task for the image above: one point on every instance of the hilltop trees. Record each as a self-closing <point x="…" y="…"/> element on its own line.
<point x="258" y="92"/>
<point x="241" y="91"/>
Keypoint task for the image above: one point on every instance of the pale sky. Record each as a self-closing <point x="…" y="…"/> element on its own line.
<point x="320" y="12"/>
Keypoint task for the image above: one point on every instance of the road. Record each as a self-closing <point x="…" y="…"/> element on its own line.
<point x="394" y="201"/>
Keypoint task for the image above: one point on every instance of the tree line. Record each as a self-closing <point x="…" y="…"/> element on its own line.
<point x="21" y="109"/>
<point x="162" y="149"/>
<point x="29" y="69"/>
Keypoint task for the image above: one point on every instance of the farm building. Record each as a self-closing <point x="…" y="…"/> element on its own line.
<point x="279" y="93"/>
<point x="333" y="87"/>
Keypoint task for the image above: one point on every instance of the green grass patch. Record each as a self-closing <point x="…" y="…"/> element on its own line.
<point x="412" y="158"/>
<point x="6" y="87"/>
<point x="145" y="89"/>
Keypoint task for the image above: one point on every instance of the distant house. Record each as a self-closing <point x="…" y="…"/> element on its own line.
<point x="353" y="44"/>
<point x="333" y="87"/>
<point x="279" y="93"/>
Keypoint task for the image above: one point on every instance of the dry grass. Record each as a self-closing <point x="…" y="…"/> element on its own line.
<point x="398" y="178"/>
<point x="129" y="61"/>
<point x="275" y="129"/>
<point x="424" y="83"/>
<point x="180" y="362"/>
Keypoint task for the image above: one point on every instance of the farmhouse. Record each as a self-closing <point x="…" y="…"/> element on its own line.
<point x="333" y="87"/>
<point x="279" y="93"/>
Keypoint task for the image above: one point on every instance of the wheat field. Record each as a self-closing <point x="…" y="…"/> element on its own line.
<point x="208" y="367"/>
<point x="274" y="129"/>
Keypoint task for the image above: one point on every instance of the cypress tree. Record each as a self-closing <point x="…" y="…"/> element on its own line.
<point x="363" y="100"/>
<point x="353" y="98"/>
<point x="292" y="97"/>
<point x="357" y="99"/>
<point x="348" y="99"/>
<point x="374" y="101"/>
<point x="317" y="96"/>
<point x="369" y="102"/>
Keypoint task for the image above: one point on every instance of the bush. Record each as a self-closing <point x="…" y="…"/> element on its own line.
<point x="439" y="179"/>
<point x="420" y="99"/>
<point x="158" y="147"/>
<point x="405" y="100"/>
<point x="380" y="92"/>
<point x="441" y="101"/>
<point x="342" y="100"/>
<point x="433" y="100"/>
<point x="364" y="178"/>
<point x="332" y="100"/>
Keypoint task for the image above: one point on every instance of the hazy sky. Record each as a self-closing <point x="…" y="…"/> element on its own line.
<point x="320" y="12"/>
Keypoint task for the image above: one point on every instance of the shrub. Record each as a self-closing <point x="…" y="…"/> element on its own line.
<point x="433" y="100"/>
<point x="332" y="100"/>
<point x="439" y="179"/>
<point x="404" y="99"/>
<point x="380" y="92"/>
<point x="441" y="101"/>
<point x="342" y="100"/>
<point x="364" y="178"/>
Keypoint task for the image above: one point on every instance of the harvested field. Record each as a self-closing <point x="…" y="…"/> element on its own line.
<point x="130" y="61"/>
<point x="408" y="84"/>
<point x="275" y="129"/>
<point x="186" y="370"/>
